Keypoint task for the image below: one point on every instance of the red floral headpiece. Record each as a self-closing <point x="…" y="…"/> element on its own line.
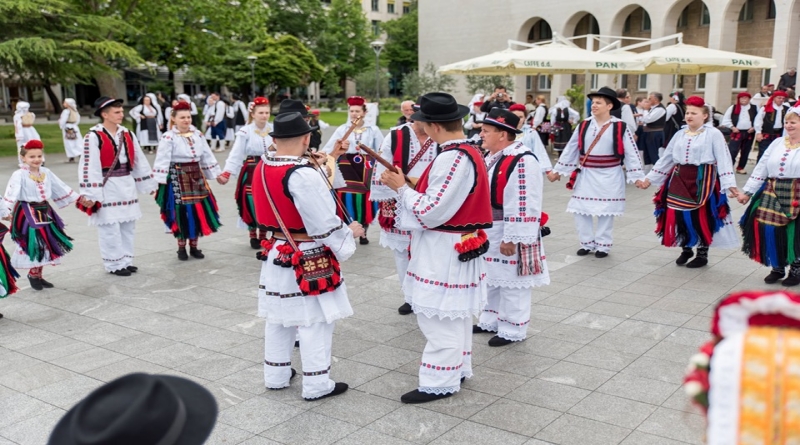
<point x="260" y="101"/>
<point x="355" y="101"/>
<point x="517" y="107"/>
<point x="34" y="144"/>
<point x="696" y="101"/>
<point x="182" y="105"/>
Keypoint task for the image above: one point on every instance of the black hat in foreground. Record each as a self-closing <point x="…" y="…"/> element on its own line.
<point x="140" y="409"/>
<point x="104" y="102"/>
<point x="290" y="125"/>
<point x="609" y="94"/>
<point x="292" y="106"/>
<point x="502" y="119"/>
<point x="439" y="107"/>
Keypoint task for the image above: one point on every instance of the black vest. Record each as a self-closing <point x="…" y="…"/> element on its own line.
<point x="752" y="112"/>
<point x="562" y="115"/>
<point x="768" y="126"/>
<point x="238" y="119"/>
<point x="661" y="122"/>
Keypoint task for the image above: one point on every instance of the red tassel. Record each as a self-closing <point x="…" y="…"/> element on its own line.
<point x="669" y="233"/>
<point x="201" y="215"/>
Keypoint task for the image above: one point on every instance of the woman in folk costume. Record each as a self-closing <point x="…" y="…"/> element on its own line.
<point x="694" y="174"/>
<point x="769" y="225"/>
<point x="515" y="261"/>
<point x="562" y="118"/>
<point x="252" y="141"/>
<point x="530" y="138"/>
<point x="294" y="203"/>
<point x="35" y="227"/>
<point x="230" y="127"/>
<point x="196" y="120"/>
<point x="23" y="125"/>
<point x="241" y="113"/>
<point x="183" y="163"/>
<point x="70" y="133"/>
<point x="355" y="166"/>
<point x="744" y="379"/>
<point x="408" y="148"/>
<point x="148" y="118"/>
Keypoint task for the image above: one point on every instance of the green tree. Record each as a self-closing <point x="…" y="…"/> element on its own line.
<point x="343" y="42"/>
<point x="486" y="84"/>
<point x="577" y="97"/>
<point x="428" y="80"/>
<point x="300" y="18"/>
<point x="401" y="51"/>
<point x="365" y="84"/>
<point x="49" y="42"/>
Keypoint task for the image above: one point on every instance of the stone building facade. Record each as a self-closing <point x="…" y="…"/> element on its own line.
<point x="768" y="28"/>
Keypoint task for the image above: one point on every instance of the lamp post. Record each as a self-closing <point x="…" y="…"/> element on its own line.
<point x="377" y="46"/>
<point x="252" y="60"/>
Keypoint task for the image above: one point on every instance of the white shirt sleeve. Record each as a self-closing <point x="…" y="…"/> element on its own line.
<point x="759" y="123"/>
<point x="653" y="115"/>
<point x="627" y="117"/>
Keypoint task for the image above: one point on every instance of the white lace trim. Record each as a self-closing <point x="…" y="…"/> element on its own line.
<point x="533" y="281"/>
<point x="578" y="212"/>
<point x="488" y="327"/>
<point x="512" y="337"/>
<point x="394" y="241"/>
<point x="520" y="239"/>
<point x="431" y="312"/>
<point x="439" y="391"/>
<point x="281" y="386"/>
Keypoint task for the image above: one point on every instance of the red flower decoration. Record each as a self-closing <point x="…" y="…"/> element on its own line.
<point x="795" y="203"/>
<point x="502" y="120"/>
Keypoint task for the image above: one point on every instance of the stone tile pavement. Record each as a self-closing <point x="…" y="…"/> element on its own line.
<point x="603" y="363"/>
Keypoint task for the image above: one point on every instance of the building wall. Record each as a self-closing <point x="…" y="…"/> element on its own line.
<point x="446" y="41"/>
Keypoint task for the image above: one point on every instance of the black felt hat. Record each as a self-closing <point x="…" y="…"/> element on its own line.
<point x="290" y="125"/>
<point x="140" y="409"/>
<point x="439" y="107"/>
<point x="292" y="106"/>
<point x="609" y="94"/>
<point x="502" y="119"/>
<point x="104" y="102"/>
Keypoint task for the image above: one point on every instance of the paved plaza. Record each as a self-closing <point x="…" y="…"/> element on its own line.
<point x="607" y="348"/>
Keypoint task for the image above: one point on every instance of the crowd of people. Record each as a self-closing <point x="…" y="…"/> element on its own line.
<point x="462" y="214"/>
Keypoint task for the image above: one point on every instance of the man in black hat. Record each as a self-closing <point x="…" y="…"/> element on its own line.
<point x="594" y="158"/>
<point x="515" y="261"/>
<point x="304" y="215"/>
<point x="446" y="215"/>
<point x="410" y="149"/>
<point x="113" y="170"/>
<point x="140" y="409"/>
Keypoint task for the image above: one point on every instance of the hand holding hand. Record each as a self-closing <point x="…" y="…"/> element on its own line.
<point x="643" y="183"/>
<point x="357" y="228"/>
<point x="508" y="249"/>
<point x="7" y="218"/>
<point x="743" y="198"/>
<point x="392" y="180"/>
<point x="222" y="179"/>
<point x="553" y="176"/>
<point x="85" y="201"/>
<point x="734" y="192"/>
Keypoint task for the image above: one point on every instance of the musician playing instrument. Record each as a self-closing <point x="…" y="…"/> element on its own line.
<point x="355" y="167"/>
<point x="408" y="148"/>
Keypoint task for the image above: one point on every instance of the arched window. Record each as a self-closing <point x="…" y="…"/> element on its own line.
<point x="540" y="31"/>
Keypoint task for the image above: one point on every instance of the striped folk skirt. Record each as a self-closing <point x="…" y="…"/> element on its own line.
<point x="244" y="193"/>
<point x="769" y="225"/>
<point x="39" y="233"/>
<point x="188" y="207"/>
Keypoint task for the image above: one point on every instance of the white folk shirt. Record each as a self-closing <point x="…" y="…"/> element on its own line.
<point x="759" y="123"/>
<point x="438" y="283"/>
<point x="279" y="298"/>
<point x="176" y="149"/>
<point x="248" y="143"/>
<point x="119" y="195"/>
<point x="531" y="140"/>
<point x="539" y="116"/>
<point x="744" y="123"/>
<point x="371" y="137"/>
<point x="599" y="191"/>
<point x="22" y="188"/>
<point x="522" y="213"/>
<point x="778" y="161"/>
<point x="73" y="147"/>
<point x="397" y="239"/>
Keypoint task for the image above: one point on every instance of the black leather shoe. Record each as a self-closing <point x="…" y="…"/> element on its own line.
<point x="699" y="261"/>
<point x="363" y="240"/>
<point x="600" y="254"/>
<point x="182" y="255"/>
<point x="499" y="341"/>
<point x="479" y="330"/>
<point x="255" y="243"/>
<point x="685" y="256"/>
<point x="583" y="252"/>
<point x="417" y="396"/>
<point x="36" y="283"/>
<point x="294" y="373"/>
<point x="338" y="388"/>
<point x="793" y="280"/>
<point x="196" y="253"/>
<point x="46" y="284"/>
<point x="405" y="309"/>
<point x="132" y="269"/>
<point x="122" y="273"/>
<point x="297" y="343"/>
<point x="1" y="315"/>
<point x="774" y="277"/>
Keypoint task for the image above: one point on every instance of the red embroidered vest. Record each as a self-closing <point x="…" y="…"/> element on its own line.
<point x="476" y="211"/>
<point x="505" y="166"/>
<point x="108" y="148"/>
<point x="277" y="180"/>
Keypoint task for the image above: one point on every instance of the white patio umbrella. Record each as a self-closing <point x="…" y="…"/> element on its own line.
<point x="691" y="59"/>
<point x="551" y="58"/>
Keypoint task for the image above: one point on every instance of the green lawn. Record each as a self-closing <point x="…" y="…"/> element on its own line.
<point x="51" y="134"/>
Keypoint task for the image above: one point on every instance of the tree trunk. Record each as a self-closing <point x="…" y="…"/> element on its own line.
<point x="52" y="96"/>
<point x="105" y="83"/>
